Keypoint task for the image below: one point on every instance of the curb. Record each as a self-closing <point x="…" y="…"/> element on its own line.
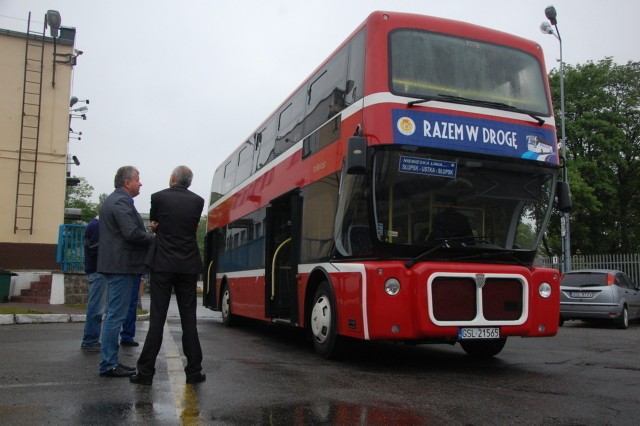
<point x="9" y="319"/>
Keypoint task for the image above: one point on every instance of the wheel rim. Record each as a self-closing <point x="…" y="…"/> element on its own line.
<point x="625" y="317"/>
<point x="225" y="304"/>
<point x="321" y="319"/>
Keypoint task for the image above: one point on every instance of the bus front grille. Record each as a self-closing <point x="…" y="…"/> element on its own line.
<point x="456" y="299"/>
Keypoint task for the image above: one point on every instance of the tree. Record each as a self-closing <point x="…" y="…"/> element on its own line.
<point x="79" y="197"/>
<point x="602" y="112"/>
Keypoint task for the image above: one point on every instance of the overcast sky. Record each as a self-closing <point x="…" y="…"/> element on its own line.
<point x="185" y="82"/>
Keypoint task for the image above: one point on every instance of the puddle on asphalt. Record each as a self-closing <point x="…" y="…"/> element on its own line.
<point x="315" y="413"/>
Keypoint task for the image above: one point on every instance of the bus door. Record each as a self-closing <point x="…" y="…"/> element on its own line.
<point x="282" y="250"/>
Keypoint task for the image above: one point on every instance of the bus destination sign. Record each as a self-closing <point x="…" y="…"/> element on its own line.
<point x="471" y="134"/>
<point x="427" y="166"/>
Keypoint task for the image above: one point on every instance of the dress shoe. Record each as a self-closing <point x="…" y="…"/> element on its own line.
<point x="117" y="371"/>
<point x="91" y="348"/>
<point x="126" y="367"/>
<point x="129" y="343"/>
<point x="196" y="378"/>
<point x="141" y="379"/>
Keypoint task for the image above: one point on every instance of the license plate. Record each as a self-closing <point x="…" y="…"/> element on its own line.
<point x="479" y="333"/>
<point x="582" y="294"/>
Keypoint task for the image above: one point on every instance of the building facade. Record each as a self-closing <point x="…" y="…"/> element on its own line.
<point x="35" y="81"/>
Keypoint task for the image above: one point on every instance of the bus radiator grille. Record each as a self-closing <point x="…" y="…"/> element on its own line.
<point x="455" y="299"/>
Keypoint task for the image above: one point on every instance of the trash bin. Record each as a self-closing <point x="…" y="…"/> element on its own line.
<point x="5" y="285"/>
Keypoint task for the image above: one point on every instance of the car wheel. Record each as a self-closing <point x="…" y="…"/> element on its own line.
<point x="561" y="322"/>
<point x="227" y="318"/>
<point x="483" y="348"/>
<point x="623" y="320"/>
<point x="323" y="323"/>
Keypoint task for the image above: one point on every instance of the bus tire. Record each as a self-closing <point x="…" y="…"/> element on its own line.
<point x="323" y="323"/>
<point x="225" y="305"/>
<point x="483" y="348"/>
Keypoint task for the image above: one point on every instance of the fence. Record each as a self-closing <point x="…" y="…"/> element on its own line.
<point x="70" y="253"/>
<point x="627" y="263"/>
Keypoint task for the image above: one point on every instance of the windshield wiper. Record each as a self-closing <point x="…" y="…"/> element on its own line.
<point x="498" y="105"/>
<point x="467" y="242"/>
<point x="419" y="101"/>
<point x="417" y="259"/>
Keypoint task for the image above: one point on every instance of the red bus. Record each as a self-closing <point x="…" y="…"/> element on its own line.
<point x="400" y="193"/>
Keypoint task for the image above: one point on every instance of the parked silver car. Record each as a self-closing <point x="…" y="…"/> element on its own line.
<point x="599" y="294"/>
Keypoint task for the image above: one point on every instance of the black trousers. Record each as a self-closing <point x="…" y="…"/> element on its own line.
<point x="184" y="286"/>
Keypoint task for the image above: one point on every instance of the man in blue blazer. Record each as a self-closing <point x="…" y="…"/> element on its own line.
<point x="124" y="243"/>
<point x="175" y="262"/>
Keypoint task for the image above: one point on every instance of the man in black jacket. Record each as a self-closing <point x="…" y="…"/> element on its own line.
<point x="123" y="246"/>
<point x="174" y="260"/>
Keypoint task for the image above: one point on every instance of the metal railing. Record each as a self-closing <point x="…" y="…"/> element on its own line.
<point x="70" y="252"/>
<point x="627" y="263"/>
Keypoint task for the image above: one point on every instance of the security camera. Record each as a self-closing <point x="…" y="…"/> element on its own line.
<point x="78" y="52"/>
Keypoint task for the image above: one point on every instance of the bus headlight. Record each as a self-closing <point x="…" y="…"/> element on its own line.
<point x="544" y="290"/>
<point x="392" y="286"/>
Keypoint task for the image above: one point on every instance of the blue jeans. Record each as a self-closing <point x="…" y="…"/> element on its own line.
<point x="120" y="287"/>
<point x="129" y="327"/>
<point x="95" y="308"/>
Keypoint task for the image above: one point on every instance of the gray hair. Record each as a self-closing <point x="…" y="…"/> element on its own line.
<point x="124" y="174"/>
<point x="183" y="176"/>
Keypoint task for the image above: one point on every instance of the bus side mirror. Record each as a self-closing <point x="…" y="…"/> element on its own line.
<point x="356" y="159"/>
<point x="563" y="194"/>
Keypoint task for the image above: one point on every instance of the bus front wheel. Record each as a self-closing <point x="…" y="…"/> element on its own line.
<point x="323" y="322"/>
<point x="483" y="348"/>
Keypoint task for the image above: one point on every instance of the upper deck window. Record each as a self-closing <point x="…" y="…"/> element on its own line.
<point x="429" y="65"/>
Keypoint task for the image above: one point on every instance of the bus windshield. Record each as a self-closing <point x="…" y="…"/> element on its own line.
<point x="428" y="65"/>
<point x="442" y="200"/>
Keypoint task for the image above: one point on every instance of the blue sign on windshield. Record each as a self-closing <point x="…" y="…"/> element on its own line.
<point x="427" y="166"/>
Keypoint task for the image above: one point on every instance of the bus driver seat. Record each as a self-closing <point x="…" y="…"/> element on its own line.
<point x="450" y="223"/>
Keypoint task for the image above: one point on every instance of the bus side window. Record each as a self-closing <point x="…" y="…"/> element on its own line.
<point x="216" y="186"/>
<point x="267" y="143"/>
<point x="245" y="160"/>
<point x="324" y="136"/>
<point x="355" y="69"/>
<point x="229" y="176"/>
<point x="320" y="200"/>
<point x="290" y="122"/>
<point x="326" y="93"/>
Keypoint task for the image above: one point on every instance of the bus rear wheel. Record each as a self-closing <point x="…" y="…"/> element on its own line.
<point x="483" y="348"/>
<point x="323" y="322"/>
<point x="225" y="308"/>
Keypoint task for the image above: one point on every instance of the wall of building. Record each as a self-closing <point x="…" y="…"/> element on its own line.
<point x="36" y="249"/>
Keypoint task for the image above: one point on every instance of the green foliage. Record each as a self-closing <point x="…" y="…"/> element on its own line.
<point x="79" y="197"/>
<point x="602" y="104"/>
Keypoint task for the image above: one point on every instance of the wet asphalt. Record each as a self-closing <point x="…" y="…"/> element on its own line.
<point x="260" y="374"/>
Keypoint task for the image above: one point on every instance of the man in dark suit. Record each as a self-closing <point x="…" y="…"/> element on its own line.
<point x="122" y="249"/>
<point x="174" y="260"/>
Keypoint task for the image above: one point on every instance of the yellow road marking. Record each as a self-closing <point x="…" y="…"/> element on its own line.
<point x="184" y="395"/>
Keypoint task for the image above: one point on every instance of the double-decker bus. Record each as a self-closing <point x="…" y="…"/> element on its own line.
<point x="400" y="193"/>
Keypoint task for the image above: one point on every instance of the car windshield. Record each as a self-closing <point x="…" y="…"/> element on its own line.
<point x="428" y="65"/>
<point x="581" y="279"/>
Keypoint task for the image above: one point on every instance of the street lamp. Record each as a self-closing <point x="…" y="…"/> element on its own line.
<point x="545" y="27"/>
